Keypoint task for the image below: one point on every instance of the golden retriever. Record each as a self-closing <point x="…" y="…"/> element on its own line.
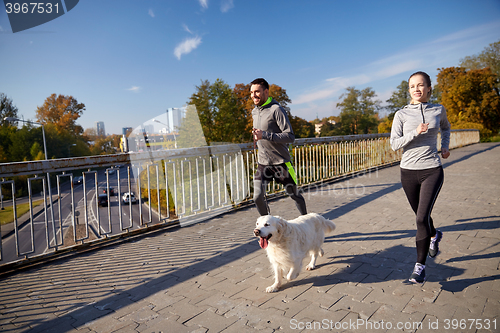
<point x="288" y="242"/>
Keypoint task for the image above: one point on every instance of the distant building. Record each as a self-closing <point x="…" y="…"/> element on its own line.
<point x="174" y="116"/>
<point x="127" y="130"/>
<point x="99" y="128"/>
<point x="317" y="127"/>
<point x="149" y="129"/>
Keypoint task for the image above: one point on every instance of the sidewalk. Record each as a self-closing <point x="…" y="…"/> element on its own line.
<point x="211" y="277"/>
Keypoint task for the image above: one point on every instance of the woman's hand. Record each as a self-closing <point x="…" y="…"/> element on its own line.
<point x="422" y="128"/>
<point x="445" y="153"/>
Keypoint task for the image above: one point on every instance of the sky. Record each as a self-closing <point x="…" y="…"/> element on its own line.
<point x="130" y="60"/>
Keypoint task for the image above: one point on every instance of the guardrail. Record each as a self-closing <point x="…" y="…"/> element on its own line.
<point x="173" y="187"/>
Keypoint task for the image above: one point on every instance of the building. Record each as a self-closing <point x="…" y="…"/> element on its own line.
<point x="99" y="128"/>
<point x="127" y="130"/>
<point x="174" y="116"/>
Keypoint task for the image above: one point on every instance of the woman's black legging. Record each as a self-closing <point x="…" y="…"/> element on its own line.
<point x="422" y="188"/>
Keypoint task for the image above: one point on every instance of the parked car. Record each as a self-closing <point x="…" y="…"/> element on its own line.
<point x="103" y="200"/>
<point x="129" y="197"/>
<point x="111" y="191"/>
<point x="77" y="180"/>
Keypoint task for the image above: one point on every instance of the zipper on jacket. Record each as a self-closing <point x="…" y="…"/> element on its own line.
<point x="422" y="112"/>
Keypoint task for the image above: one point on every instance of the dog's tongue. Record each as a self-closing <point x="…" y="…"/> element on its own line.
<point x="263" y="242"/>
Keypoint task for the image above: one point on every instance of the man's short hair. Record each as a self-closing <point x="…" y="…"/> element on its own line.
<point x="262" y="82"/>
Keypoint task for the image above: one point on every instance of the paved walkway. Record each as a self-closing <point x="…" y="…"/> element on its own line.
<point x="211" y="277"/>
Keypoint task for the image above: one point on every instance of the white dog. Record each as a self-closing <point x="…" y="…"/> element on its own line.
<point x="288" y="242"/>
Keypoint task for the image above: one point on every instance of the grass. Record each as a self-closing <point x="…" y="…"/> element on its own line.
<point x="7" y="216"/>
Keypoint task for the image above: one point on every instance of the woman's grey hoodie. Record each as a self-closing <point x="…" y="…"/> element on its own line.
<point x="420" y="150"/>
<point x="277" y="133"/>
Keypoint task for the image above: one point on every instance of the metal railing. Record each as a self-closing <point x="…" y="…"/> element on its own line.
<point x="173" y="187"/>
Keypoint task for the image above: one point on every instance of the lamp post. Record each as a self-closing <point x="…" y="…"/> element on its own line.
<point x="175" y="139"/>
<point x="10" y="119"/>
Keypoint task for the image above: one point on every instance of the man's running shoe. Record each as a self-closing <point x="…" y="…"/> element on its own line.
<point x="418" y="275"/>
<point x="434" y="246"/>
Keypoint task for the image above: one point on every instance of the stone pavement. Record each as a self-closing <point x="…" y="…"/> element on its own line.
<point x="211" y="276"/>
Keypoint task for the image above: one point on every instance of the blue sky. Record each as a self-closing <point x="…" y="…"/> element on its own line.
<point x="130" y="60"/>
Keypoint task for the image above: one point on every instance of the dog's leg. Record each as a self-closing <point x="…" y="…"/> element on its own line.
<point x="314" y="256"/>
<point x="294" y="271"/>
<point x="277" y="279"/>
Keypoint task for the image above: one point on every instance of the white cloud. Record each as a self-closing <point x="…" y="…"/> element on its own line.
<point x="187" y="29"/>
<point x="1" y="29"/>
<point x="188" y="45"/>
<point x="442" y="52"/>
<point x="151" y="13"/>
<point x="204" y="3"/>
<point x="226" y="5"/>
<point x="134" y="89"/>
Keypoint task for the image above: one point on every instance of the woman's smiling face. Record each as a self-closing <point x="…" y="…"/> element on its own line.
<point x="420" y="92"/>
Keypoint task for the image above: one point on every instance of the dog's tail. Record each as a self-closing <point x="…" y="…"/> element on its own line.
<point x="329" y="226"/>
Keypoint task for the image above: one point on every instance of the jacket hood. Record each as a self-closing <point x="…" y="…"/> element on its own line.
<point x="268" y="105"/>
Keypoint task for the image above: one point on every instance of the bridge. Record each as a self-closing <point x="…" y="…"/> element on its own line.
<point x="211" y="276"/>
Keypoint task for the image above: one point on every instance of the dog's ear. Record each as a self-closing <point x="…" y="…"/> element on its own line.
<point x="281" y="224"/>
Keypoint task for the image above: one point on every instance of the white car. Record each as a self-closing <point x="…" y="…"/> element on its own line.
<point x="129" y="197"/>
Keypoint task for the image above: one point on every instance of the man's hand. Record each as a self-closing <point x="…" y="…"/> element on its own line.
<point x="257" y="134"/>
<point x="445" y="153"/>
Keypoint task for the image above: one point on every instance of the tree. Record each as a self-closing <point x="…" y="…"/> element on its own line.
<point x="103" y="146"/>
<point x="63" y="112"/>
<point x="242" y="94"/>
<point x="358" y="111"/>
<point x="471" y="98"/>
<point x="222" y="117"/>
<point x="398" y="99"/>
<point x="301" y="127"/>
<point x="490" y="57"/>
<point x="7" y="109"/>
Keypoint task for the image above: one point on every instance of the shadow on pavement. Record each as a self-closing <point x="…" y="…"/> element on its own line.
<point x="393" y="263"/>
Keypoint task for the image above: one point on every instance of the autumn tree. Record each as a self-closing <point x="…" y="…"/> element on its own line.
<point x="489" y="57"/>
<point x="7" y="109"/>
<point x="103" y="146"/>
<point x="471" y="98"/>
<point x="221" y="115"/>
<point x="63" y="112"/>
<point x="358" y="113"/>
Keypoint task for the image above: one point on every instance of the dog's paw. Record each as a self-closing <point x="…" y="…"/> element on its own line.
<point x="310" y="267"/>
<point x="272" y="289"/>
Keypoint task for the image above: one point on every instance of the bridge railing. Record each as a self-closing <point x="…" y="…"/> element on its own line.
<point x="173" y="187"/>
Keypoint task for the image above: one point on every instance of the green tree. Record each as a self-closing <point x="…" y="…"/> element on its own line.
<point x="489" y="57"/>
<point x="398" y="99"/>
<point x="471" y="98"/>
<point x="222" y="117"/>
<point x="7" y="109"/>
<point x="358" y="111"/>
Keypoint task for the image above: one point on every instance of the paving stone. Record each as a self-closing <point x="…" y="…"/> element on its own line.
<point x="212" y="321"/>
<point x="213" y="275"/>
<point x="364" y="309"/>
<point x="110" y="324"/>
